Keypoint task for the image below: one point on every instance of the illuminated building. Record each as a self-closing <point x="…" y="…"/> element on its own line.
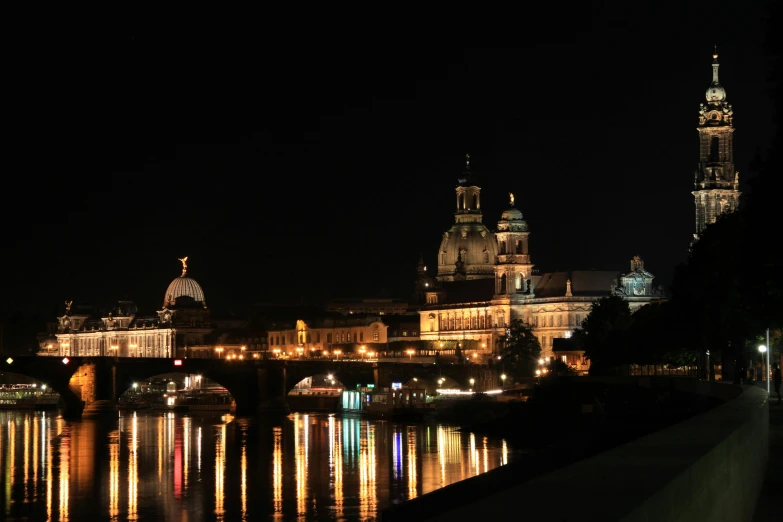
<point x="486" y="280"/>
<point x="716" y="181"/>
<point x="183" y="327"/>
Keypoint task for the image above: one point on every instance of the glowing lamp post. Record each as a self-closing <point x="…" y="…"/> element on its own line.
<point x="763" y="349"/>
<point x="219" y="351"/>
<point x="503" y="380"/>
<point x="472" y="382"/>
<point x="337" y="354"/>
<point x="410" y="355"/>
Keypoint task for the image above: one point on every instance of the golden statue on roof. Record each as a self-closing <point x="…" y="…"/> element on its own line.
<point x="184" y="261"/>
<point x="511" y="195"/>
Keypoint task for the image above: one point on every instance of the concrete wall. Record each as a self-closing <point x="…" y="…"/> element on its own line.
<point x="709" y="467"/>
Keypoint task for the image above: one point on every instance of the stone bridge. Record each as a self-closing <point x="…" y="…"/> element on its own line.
<point x="257" y="386"/>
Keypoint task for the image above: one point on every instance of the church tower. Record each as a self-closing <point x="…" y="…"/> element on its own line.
<point x="468" y="250"/>
<point x="716" y="182"/>
<point x="512" y="273"/>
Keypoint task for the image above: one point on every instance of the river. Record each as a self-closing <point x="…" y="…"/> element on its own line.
<point x="187" y="467"/>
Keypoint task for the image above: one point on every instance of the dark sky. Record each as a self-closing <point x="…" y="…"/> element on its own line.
<point x="309" y="168"/>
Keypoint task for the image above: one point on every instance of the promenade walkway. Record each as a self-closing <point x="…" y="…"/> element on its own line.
<point x="770" y="504"/>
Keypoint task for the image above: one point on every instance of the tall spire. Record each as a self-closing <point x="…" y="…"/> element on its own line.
<point x="466" y="173"/>
<point x="715" y="180"/>
<point x="715" y="66"/>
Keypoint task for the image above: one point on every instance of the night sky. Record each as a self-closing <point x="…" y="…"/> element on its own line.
<point x="310" y="168"/>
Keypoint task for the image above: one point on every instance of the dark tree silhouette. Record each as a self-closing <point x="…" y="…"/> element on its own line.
<point x="602" y="335"/>
<point x="520" y="349"/>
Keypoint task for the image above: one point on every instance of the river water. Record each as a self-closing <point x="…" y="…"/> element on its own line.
<point x="186" y="467"/>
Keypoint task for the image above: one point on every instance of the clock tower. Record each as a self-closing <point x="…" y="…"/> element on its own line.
<point x="716" y="182"/>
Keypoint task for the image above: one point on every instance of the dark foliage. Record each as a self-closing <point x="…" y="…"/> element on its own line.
<point x="520" y="349"/>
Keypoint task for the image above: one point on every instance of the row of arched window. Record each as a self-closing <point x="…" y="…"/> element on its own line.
<point x="557" y="320"/>
<point x="475" y="322"/>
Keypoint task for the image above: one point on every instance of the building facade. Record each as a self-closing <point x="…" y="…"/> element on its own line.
<point x="716" y="182"/>
<point x="181" y="328"/>
<point x="486" y="280"/>
<point x="331" y="335"/>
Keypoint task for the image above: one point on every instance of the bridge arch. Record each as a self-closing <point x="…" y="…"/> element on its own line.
<point x="349" y="373"/>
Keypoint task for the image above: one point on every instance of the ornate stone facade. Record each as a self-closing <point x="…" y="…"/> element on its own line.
<point x="473" y="313"/>
<point x="716" y="182"/>
<point x="181" y="328"/>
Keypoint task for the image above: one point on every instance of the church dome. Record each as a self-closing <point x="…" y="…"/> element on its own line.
<point x="184" y="286"/>
<point x="716" y="93"/>
<point x="472" y="244"/>
<point x="511" y="219"/>
<point x="511" y="214"/>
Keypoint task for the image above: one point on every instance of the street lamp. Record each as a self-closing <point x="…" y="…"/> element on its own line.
<point x="219" y="351"/>
<point x="410" y="355"/>
<point x="337" y="354"/>
<point x="361" y="351"/>
<point x="472" y="381"/>
<point x="763" y="349"/>
<point x="503" y="378"/>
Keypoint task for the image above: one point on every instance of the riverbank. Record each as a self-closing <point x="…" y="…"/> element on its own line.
<point x="576" y="417"/>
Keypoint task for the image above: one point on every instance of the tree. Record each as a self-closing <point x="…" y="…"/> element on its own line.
<point x="602" y="335"/>
<point x="520" y="349"/>
<point x="659" y="334"/>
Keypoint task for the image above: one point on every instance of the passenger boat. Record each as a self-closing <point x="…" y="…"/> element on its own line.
<point x="27" y="397"/>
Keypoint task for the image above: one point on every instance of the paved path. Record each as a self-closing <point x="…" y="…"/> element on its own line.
<point x="770" y="503"/>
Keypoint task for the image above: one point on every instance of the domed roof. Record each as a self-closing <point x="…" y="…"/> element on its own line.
<point x="473" y="245"/>
<point x="511" y="218"/>
<point x="715" y="92"/>
<point x="511" y="214"/>
<point x="184" y="286"/>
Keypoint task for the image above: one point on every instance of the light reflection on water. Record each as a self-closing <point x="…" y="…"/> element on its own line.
<point x="166" y="466"/>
